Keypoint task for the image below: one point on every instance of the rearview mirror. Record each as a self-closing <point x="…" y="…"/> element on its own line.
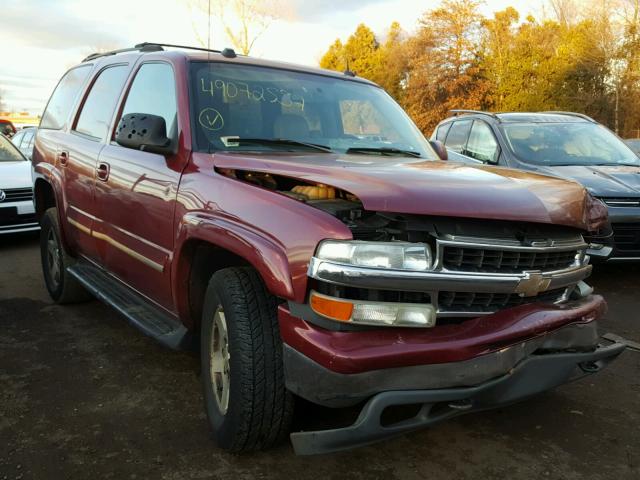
<point x="440" y="149"/>
<point x="146" y="132"/>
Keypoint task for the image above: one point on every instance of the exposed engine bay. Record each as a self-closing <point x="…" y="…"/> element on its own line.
<point x="388" y="226"/>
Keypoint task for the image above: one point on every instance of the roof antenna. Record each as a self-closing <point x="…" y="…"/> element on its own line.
<point x="348" y="71"/>
<point x="209" y="51"/>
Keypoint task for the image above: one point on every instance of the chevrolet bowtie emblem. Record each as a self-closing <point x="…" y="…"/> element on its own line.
<point x="533" y="284"/>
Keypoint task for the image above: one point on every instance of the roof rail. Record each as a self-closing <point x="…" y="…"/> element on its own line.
<point x="572" y="114"/>
<point x="157" y="47"/>
<point x="141" y="47"/>
<point x="457" y="112"/>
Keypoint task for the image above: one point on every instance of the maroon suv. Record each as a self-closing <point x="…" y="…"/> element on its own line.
<point x="298" y="224"/>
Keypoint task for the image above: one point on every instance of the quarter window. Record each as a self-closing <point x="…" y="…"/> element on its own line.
<point x="482" y="144"/>
<point x="154" y="92"/>
<point x="441" y="134"/>
<point x="64" y="97"/>
<point x="458" y="134"/>
<point x="98" y="108"/>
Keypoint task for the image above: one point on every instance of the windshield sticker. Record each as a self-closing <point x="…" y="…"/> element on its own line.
<point x="255" y="93"/>
<point x="211" y="119"/>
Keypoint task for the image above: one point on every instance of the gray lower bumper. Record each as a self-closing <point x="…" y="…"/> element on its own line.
<point x="533" y="375"/>
<point x="315" y="383"/>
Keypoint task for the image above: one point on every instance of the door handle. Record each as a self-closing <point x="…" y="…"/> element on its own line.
<point x="103" y="171"/>
<point x="63" y="158"/>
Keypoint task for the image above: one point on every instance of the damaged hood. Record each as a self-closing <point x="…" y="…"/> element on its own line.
<point x="434" y="188"/>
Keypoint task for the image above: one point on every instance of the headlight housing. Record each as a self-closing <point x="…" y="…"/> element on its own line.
<point x="379" y="314"/>
<point x="389" y="255"/>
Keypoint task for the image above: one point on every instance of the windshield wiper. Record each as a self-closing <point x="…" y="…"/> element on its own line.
<point x="384" y="151"/>
<point x="237" y="141"/>
<point x="615" y="164"/>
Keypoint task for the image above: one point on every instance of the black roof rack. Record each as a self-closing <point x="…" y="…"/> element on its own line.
<point x="571" y="114"/>
<point x="457" y="112"/>
<point x="157" y="47"/>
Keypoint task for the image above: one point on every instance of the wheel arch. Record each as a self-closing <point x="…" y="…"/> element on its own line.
<point x="44" y="197"/>
<point x="207" y="245"/>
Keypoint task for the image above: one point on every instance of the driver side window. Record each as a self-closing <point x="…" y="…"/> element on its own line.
<point x="482" y="144"/>
<point x="153" y="91"/>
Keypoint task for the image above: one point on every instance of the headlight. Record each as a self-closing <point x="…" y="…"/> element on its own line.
<point x="391" y="255"/>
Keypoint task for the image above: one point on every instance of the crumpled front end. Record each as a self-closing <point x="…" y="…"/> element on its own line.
<point x="452" y="324"/>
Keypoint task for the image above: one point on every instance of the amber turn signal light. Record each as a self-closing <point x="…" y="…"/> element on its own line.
<point x="331" y="308"/>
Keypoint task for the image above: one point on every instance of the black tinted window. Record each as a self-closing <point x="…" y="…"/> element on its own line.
<point x="441" y="134"/>
<point x="153" y="91"/>
<point x="97" y="111"/>
<point x="457" y="138"/>
<point x="64" y="97"/>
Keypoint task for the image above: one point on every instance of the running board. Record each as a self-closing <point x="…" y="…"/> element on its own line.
<point x="140" y="312"/>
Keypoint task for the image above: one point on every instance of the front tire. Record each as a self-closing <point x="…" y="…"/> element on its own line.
<point x="62" y="287"/>
<point x="247" y="403"/>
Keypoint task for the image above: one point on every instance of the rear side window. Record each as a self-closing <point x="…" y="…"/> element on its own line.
<point x="64" y="97"/>
<point x="17" y="138"/>
<point x="98" y="108"/>
<point x="28" y="142"/>
<point x="482" y="144"/>
<point x="154" y="92"/>
<point x="441" y="134"/>
<point x="458" y="134"/>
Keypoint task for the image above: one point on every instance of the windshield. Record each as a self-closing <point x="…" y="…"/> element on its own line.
<point x="256" y="103"/>
<point x="8" y="152"/>
<point x="568" y="144"/>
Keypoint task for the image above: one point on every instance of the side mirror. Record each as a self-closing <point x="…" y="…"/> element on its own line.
<point x="440" y="149"/>
<point x="146" y="132"/>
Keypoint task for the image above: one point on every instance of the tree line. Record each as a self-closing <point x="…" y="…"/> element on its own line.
<point x="583" y="56"/>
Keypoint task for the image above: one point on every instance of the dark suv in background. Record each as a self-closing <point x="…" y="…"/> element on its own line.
<point x="563" y="144"/>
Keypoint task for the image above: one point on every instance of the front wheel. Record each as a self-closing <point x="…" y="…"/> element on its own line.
<point x="247" y="403"/>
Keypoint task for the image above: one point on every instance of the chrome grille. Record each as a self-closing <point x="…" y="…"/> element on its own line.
<point x="466" y="302"/>
<point x="461" y="258"/>
<point x="18" y="194"/>
<point x="622" y="202"/>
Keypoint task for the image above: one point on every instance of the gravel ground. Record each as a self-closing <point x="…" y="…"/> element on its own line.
<point x="84" y="395"/>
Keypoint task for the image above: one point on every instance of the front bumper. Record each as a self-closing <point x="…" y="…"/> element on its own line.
<point x="533" y="375"/>
<point x="17" y="217"/>
<point x="448" y="370"/>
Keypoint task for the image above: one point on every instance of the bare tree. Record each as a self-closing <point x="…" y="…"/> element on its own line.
<point x="243" y="21"/>
<point x="564" y="11"/>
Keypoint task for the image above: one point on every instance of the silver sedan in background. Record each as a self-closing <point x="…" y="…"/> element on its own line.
<point x="17" y="213"/>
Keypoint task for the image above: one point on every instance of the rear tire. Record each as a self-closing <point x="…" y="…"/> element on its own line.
<point x="62" y="287"/>
<point x="247" y="403"/>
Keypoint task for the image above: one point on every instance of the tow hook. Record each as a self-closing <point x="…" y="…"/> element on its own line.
<point x="589" y="367"/>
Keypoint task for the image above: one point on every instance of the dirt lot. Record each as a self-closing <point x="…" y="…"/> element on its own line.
<point x="84" y="395"/>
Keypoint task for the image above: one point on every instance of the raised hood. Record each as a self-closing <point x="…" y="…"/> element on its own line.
<point x="617" y="181"/>
<point x="431" y="187"/>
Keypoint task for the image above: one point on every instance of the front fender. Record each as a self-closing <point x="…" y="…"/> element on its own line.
<point x="265" y="254"/>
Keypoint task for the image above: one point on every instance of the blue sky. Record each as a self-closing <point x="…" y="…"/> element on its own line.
<point x="43" y="38"/>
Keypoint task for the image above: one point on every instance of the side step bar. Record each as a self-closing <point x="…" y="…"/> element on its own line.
<point x="140" y="312"/>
